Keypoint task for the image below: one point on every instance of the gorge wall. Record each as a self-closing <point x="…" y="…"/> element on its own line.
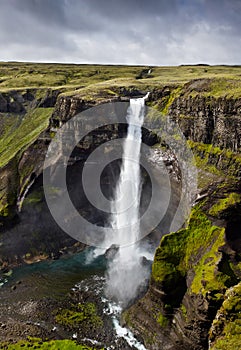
<point x="192" y="297"/>
<point x="195" y="284"/>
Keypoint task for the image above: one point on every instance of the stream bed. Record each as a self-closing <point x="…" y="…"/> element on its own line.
<point x="32" y="293"/>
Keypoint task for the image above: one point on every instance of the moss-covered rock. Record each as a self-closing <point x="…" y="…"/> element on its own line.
<point x="15" y="172"/>
<point x="192" y="270"/>
<point x="35" y="343"/>
<point x="224" y="204"/>
<point x="192" y="249"/>
<point x="82" y="315"/>
<point x="225" y="333"/>
<point x="221" y="162"/>
<point x="33" y="123"/>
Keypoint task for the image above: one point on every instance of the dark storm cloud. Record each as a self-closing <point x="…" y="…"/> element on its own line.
<point x="225" y="13"/>
<point x="46" y="10"/>
<point x="127" y="31"/>
<point x="56" y="9"/>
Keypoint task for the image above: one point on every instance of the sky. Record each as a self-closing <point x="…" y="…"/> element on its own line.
<point x="151" y="32"/>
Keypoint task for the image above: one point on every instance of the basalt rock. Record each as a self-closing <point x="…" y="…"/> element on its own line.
<point x="67" y="107"/>
<point x="209" y="120"/>
<point x="50" y="98"/>
<point x="192" y="270"/>
<point x="3" y="104"/>
<point x="12" y="102"/>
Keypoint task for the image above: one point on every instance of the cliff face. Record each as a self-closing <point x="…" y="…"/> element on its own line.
<point x="23" y="232"/>
<point x="213" y="128"/>
<point x="194" y="267"/>
<point x="225" y="330"/>
<point x="23" y="144"/>
<point x="24" y="152"/>
<point x="24" y="159"/>
<point x="192" y="270"/>
<point x="209" y="120"/>
<point x="23" y="166"/>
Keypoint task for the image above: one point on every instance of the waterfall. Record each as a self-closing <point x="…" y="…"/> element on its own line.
<point x="127" y="193"/>
<point x="126" y="272"/>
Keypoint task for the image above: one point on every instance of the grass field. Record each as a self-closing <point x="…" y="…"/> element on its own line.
<point x="73" y="78"/>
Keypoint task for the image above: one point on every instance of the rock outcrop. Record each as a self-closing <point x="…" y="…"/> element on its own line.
<point x="209" y="120"/>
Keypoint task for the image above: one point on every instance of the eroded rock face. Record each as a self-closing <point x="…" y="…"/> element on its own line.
<point x="69" y="106"/>
<point x="192" y="270"/>
<point x="209" y="120"/>
<point x="3" y="104"/>
<point x="8" y="189"/>
<point x="12" y="102"/>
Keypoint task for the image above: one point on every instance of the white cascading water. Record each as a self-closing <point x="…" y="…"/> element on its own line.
<point x="127" y="193"/>
<point x="125" y="273"/>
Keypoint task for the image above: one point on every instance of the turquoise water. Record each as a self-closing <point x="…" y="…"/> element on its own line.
<point x="54" y="278"/>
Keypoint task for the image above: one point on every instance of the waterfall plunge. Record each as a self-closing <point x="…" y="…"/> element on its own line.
<point x="126" y="271"/>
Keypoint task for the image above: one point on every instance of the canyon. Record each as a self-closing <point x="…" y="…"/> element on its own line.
<point x="193" y="296"/>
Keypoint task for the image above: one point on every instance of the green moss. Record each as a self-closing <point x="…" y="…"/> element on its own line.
<point x="206" y="278"/>
<point x="174" y="94"/>
<point x="229" y="342"/>
<point x="225" y="332"/>
<point x="236" y="268"/>
<point x="223" y="87"/>
<point x="52" y="133"/>
<point x="215" y="162"/>
<point x="33" y="123"/>
<point x="82" y="314"/>
<point x="184" y="311"/>
<point x="7" y="203"/>
<point x="224" y="203"/>
<point x="162" y="320"/>
<point x="4" y="210"/>
<point x="222" y="80"/>
<point x="194" y="248"/>
<point x="36" y="343"/>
